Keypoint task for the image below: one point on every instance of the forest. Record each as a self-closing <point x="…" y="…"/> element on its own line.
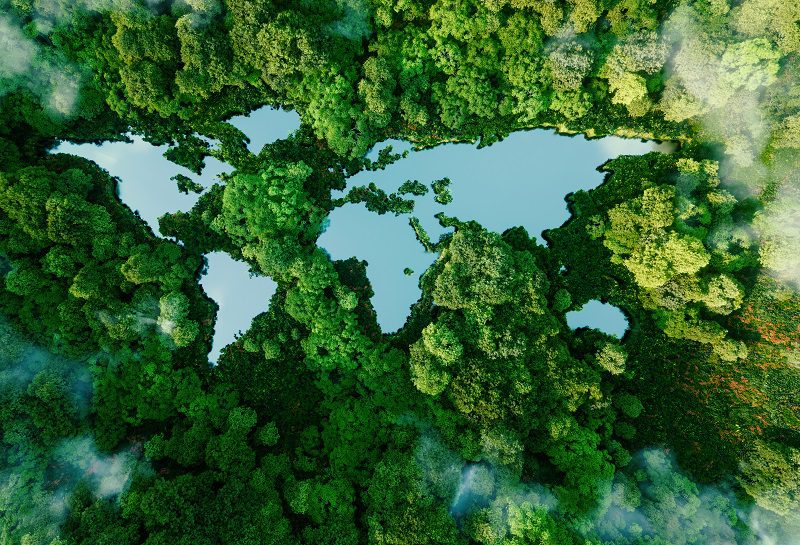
<point x="485" y="419"/>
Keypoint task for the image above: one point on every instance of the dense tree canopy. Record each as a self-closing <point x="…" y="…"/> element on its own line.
<point x="485" y="419"/>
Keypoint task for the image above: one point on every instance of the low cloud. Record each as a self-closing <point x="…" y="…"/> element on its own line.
<point x="43" y="473"/>
<point x="25" y="65"/>
<point x="16" y="51"/>
<point x="778" y="226"/>
<point x="35" y="495"/>
<point x="355" y="21"/>
<point x="650" y="500"/>
<point x="720" y="84"/>
<point x="107" y="475"/>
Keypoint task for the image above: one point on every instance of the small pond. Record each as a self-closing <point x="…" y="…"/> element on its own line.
<point x="601" y="316"/>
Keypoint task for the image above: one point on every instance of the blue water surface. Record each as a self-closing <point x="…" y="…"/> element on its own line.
<point x="145" y="186"/>
<point x="602" y="316"/>
<point x="520" y="181"/>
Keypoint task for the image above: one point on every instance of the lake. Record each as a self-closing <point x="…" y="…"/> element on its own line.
<point x="521" y="180"/>
<point x="145" y="186"/>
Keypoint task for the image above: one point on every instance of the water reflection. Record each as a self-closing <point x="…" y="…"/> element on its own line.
<point x="602" y="316"/>
<point x="522" y="180"/>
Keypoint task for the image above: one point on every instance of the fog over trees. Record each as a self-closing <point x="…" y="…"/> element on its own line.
<point x="485" y="419"/>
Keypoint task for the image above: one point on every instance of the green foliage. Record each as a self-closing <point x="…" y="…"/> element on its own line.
<point x="663" y="239"/>
<point x="611" y="358"/>
<point x="569" y="64"/>
<point x="629" y="66"/>
<point x="402" y="511"/>
<point x="421" y="234"/>
<point x="485" y="419"/>
<point x="413" y="187"/>
<point x="770" y="476"/>
<point x="186" y="184"/>
<point x="376" y="200"/>
<point x="442" y="194"/>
